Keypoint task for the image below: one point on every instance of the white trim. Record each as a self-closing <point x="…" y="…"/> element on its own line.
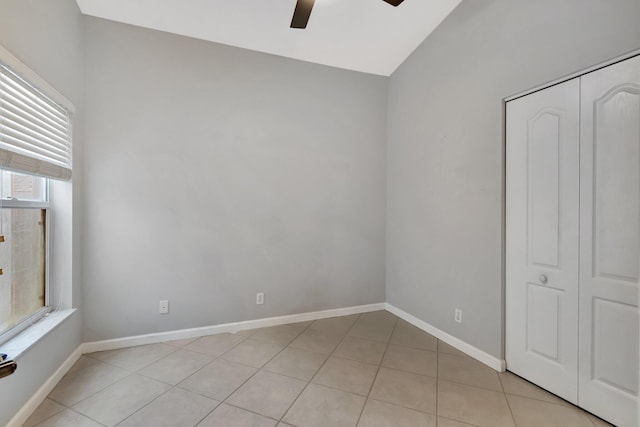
<point x="38" y="397"/>
<point x="18" y="345"/>
<point x="89" y="347"/>
<point x="484" y="357"/>
<point x="26" y="73"/>
<point x="113" y="344"/>
<point x="574" y="75"/>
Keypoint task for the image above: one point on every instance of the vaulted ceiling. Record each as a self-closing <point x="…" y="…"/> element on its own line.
<point x="363" y="35"/>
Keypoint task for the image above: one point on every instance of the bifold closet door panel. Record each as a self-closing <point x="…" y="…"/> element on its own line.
<point x="610" y="241"/>
<point x="542" y="226"/>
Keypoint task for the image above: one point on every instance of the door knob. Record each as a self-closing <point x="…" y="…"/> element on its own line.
<point x="543" y="279"/>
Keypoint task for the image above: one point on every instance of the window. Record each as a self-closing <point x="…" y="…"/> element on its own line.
<point x="35" y="147"/>
<point x="23" y="248"/>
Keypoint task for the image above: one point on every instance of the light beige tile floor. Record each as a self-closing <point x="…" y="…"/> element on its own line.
<point x="369" y="370"/>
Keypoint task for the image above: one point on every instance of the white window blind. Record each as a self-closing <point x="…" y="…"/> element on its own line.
<point x="35" y="131"/>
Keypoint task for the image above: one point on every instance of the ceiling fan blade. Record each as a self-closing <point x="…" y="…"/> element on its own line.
<point x="394" y="2"/>
<point x="302" y="13"/>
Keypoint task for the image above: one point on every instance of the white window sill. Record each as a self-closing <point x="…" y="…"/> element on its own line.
<point x="26" y="339"/>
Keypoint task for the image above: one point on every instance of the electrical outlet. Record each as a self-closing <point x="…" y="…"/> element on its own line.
<point x="163" y="307"/>
<point x="260" y="298"/>
<point x="458" y="315"/>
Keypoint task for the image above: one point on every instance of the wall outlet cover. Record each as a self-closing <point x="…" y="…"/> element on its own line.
<point x="163" y="307"/>
<point x="458" y="315"/>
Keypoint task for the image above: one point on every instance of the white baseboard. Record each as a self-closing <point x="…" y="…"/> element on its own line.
<point x="89" y="347"/>
<point x="113" y="344"/>
<point x="489" y="360"/>
<point x="32" y="404"/>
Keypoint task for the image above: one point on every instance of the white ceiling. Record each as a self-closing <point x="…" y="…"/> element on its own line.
<point x="362" y="35"/>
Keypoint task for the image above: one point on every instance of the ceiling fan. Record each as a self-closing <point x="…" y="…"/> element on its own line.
<point x="303" y="11"/>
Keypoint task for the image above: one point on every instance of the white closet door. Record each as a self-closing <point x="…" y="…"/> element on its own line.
<point x="610" y="242"/>
<point x="542" y="224"/>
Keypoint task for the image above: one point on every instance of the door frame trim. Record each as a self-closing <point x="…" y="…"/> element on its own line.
<point x="503" y="178"/>
<point x="572" y="76"/>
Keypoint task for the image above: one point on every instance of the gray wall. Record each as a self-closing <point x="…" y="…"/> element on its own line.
<point x="47" y="36"/>
<point x="214" y="173"/>
<point x="444" y="156"/>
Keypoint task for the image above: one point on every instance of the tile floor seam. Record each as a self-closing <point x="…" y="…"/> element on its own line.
<point x="144" y="406"/>
<point x="110" y="364"/>
<point x="481" y="388"/>
<point x="395" y="324"/>
<point x="156" y="379"/>
<point x="412" y="348"/>
<point x="245" y="365"/>
<point x="513" y="417"/>
<point x="422" y="411"/>
<point x="288" y="375"/>
<point x="274" y="342"/>
<point x="90" y="395"/>
<point x="572" y="407"/>
<point x="318" y="370"/>
<point x="562" y="405"/>
<point x="125" y="369"/>
<point x="248" y="410"/>
<point x="208" y="413"/>
<point x="196" y="393"/>
<point x="379" y="342"/>
<point x="76" y="412"/>
<point x="62" y="404"/>
<point x="173" y="385"/>
<point x="121" y="379"/>
<point x="52" y="415"/>
<point x="421" y="375"/>
<point x="87" y="416"/>
<point x="437" y="377"/>
<point x="501" y="383"/>
<point x="458" y="421"/>
<point x="259" y="370"/>
<point x="567" y="403"/>
<point x="264" y="369"/>
<point x="339" y="389"/>
<point x="592" y="420"/>
<point x="374" y="326"/>
<point x="215" y="358"/>
<point x="352" y="360"/>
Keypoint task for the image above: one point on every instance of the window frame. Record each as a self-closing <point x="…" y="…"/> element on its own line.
<point x="58" y="277"/>
<point x="13" y="203"/>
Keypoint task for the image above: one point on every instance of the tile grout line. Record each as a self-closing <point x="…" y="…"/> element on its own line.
<point x="172" y="386"/>
<point x="318" y="370"/>
<point x="175" y="349"/>
<point x="507" y="400"/>
<point x="395" y="324"/>
<point x="220" y="402"/>
<point x="70" y="409"/>
<point x="130" y="373"/>
<point x="148" y="403"/>
<point x="482" y="388"/>
<point x="332" y="354"/>
<point x="565" y="404"/>
<point x="437" y="377"/>
<point x="458" y="421"/>
<point x="255" y="373"/>
<point x="404" y="407"/>
<point x="220" y="357"/>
